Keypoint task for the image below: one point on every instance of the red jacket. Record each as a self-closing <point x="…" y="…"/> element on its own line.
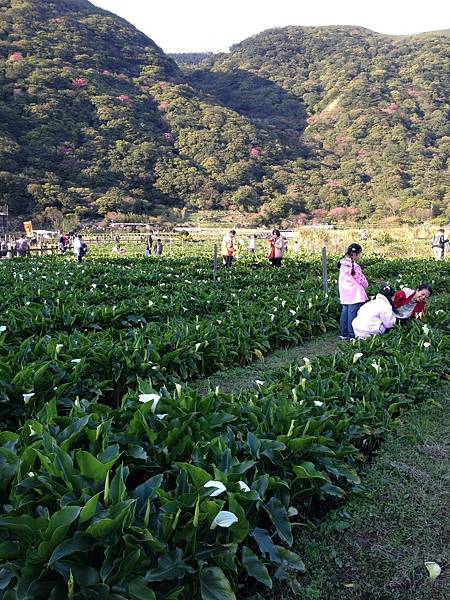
<point x="404" y="297"/>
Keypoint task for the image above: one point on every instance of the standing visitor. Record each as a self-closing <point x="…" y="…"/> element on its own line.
<point x="158" y="247"/>
<point x="376" y="316"/>
<point x="411" y="304"/>
<point x="24" y="246"/>
<point x="228" y="248"/>
<point x="277" y="248"/>
<point x="438" y="244"/>
<point x="295" y="247"/>
<point x="79" y="248"/>
<point x="251" y="244"/>
<point x="62" y="242"/>
<point x="352" y="290"/>
<point x="364" y="235"/>
<point x="148" y="251"/>
<point x="76" y="245"/>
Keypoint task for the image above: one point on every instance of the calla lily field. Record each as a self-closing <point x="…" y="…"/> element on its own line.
<point x="119" y="480"/>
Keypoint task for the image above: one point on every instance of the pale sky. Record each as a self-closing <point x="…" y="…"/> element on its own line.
<point x="208" y="25"/>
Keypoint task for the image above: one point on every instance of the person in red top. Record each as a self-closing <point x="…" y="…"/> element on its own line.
<point x="411" y="304"/>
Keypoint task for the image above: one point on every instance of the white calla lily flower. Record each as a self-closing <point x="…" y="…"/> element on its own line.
<point x="27" y="397"/>
<point x="243" y="486"/>
<point x="218" y="486"/>
<point x="425" y="329"/>
<point x="224" y="518"/>
<point x="76" y="360"/>
<point x="259" y="382"/>
<point x="154" y="398"/>
<point x="376" y="366"/>
<point x="2" y="328"/>
<point x="426" y="345"/>
<point x="357" y="356"/>
<point x="318" y="403"/>
<point x="433" y="569"/>
<point x="59" y="347"/>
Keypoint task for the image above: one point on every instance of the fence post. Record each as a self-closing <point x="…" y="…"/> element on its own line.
<point x="215" y="264"/>
<point x="324" y="270"/>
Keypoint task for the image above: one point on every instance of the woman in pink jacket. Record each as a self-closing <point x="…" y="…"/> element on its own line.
<point x="352" y="290"/>
<point x="376" y="316"/>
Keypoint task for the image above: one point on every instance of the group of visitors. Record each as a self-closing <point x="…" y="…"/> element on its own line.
<point x="17" y="247"/>
<point x="75" y="242"/>
<point x="158" y="248"/>
<point x="277" y="247"/>
<point x="361" y="317"/>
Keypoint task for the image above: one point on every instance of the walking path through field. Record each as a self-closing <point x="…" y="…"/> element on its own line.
<point x="375" y="546"/>
<point x="241" y="378"/>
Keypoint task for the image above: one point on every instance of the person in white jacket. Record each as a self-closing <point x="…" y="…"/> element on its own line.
<point x="376" y="316"/>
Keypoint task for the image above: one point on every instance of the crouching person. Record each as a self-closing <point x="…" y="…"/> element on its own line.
<point x="376" y="316"/>
<point x="411" y="304"/>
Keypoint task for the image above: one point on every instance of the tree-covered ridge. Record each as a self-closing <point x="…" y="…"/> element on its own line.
<point x="376" y="110"/>
<point x="189" y="59"/>
<point x="329" y="122"/>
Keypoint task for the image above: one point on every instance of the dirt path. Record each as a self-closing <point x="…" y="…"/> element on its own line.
<point x="241" y="378"/>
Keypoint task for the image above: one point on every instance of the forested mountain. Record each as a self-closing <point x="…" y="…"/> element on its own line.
<point x="95" y="118"/>
<point x="336" y="122"/>
<point x="370" y="111"/>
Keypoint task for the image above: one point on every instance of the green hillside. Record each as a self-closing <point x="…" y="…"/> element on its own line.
<point x="371" y="112"/>
<point x="335" y="122"/>
<point x="95" y="118"/>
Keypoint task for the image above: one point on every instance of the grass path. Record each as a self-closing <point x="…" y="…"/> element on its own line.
<point x="374" y="547"/>
<point x="241" y="378"/>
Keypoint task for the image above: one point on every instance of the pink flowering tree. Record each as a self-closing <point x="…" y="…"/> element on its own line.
<point x="362" y="152"/>
<point x="79" y="82"/>
<point x="334" y="183"/>
<point x="390" y="109"/>
<point x="65" y="149"/>
<point x="163" y="105"/>
<point x="319" y="214"/>
<point x="312" y="120"/>
<point x="340" y="139"/>
<point x="255" y="152"/>
<point x="168" y="136"/>
<point x="338" y="213"/>
<point x="16" y="57"/>
<point x="123" y="98"/>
